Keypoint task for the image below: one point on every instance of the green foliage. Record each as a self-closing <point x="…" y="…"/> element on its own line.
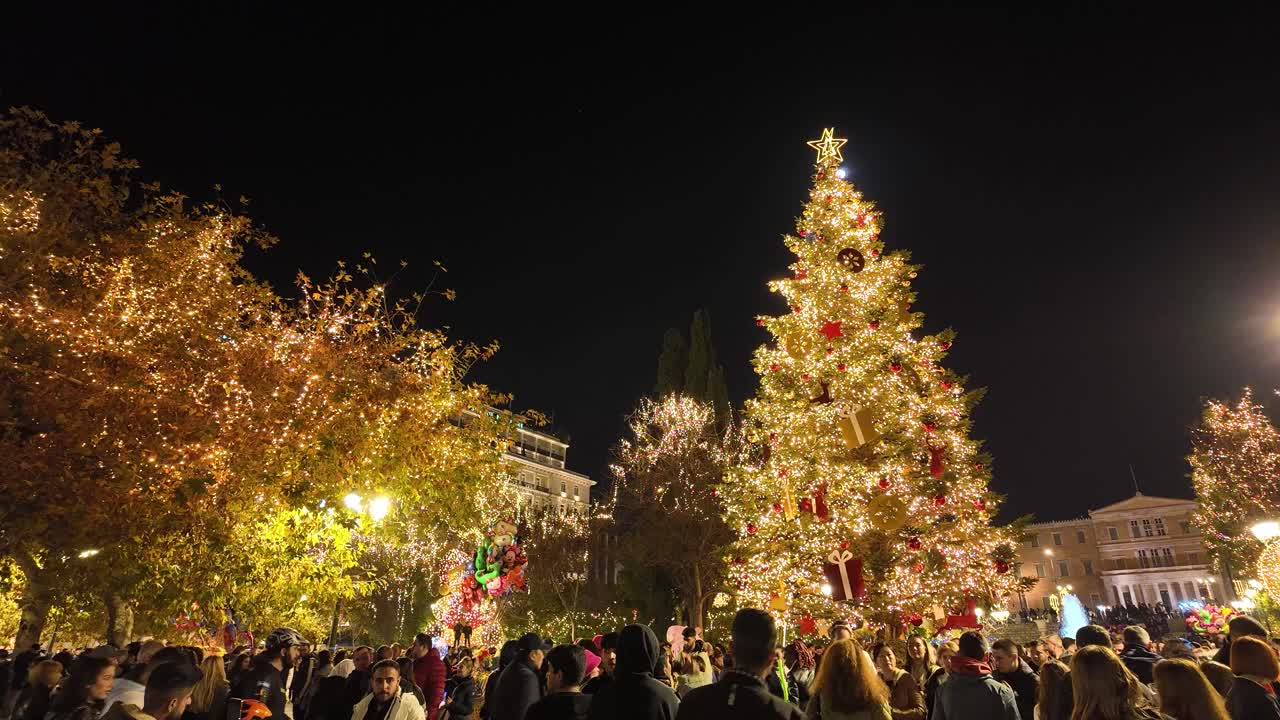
<point x="672" y="363"/>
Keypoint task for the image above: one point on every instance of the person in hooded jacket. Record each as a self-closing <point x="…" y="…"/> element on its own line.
<point x="505" y="657"/>
<point x="970" y="691"/>
<point x="634" y="693"/>
<point x="740" y="693"/>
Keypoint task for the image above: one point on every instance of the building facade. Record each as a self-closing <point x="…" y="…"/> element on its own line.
<point x="1140" y="550"/>
<point x="536" y="461"/>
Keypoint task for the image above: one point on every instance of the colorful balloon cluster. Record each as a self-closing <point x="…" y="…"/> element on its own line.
<point x="1210" y="619"/>
<point x="497" y="568"/>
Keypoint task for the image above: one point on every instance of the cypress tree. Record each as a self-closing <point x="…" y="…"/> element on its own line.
<point x="701" y="357"/>
<point x="672" y="363"/>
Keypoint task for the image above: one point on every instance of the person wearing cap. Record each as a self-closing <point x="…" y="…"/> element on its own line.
<point x="520" y="685"/>
<point x="741" y="691"/>
<point x="264" y="680"/>
<point x="387" y="700"/>
<point x="167" y="694"/>
<point x="634" y="693"/>
<point x="566" y="667"/>
<point x="428" y="672"/>
<point x="608" y="662"/>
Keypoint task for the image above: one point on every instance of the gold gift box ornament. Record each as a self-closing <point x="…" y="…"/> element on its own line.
<point x="856" y="428"/>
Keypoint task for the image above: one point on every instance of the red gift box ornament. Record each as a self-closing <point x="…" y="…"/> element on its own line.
<point x="967" y="620"/>
<point x="844" y="574"/>
<point x="816" y="503"/>
<point x="935" y="460"/>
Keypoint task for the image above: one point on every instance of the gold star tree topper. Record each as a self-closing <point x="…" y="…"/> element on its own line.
<point x="827" y="146"/>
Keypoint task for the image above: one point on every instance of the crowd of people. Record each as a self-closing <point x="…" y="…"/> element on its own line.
<point x="1097" y="675"/>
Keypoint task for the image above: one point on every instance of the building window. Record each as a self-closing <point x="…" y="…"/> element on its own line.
<point x="1057" y="538"/>
<point x="1160" y="526"/>
<point x="1035" y="541"/>
<point x="1186" y="527"/>
<point x="575" y="492"/>
<point x="564" y="488"/>
<point x="1063" y="565"/>
<point x="1133" y="528"/>
<point x="1088" y="567"/>
<point x="1095" y="598"/>
<point x="1167" y="554"/>
<point x="1080" y="537"/>
<point x="1039" y="569"/>
<point x="1113" y="533"/>
<point x="1193" y="558"/>
<point x="1146" y="528"/>
<point x="1143" y="559"/>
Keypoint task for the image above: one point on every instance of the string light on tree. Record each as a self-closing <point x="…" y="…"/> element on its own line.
<point x="860" y="417"/>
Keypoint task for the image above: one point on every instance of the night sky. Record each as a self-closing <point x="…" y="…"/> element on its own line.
<point x="1093" y="197"/>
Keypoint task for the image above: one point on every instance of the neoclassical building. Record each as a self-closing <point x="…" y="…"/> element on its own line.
<point x="536" y="461"/>
<point x="1140" y="550"/>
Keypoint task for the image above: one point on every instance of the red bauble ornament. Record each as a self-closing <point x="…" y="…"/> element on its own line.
<point x="774" y="367"/>
<point x="715" y="492"/>
<point x="874" y="324"/>
<point x="821" y="175"/>
<point x="874" y="252"/>
<point x="782" y="472"/>
<point x="1002" y="567"/>
<point x="917" y="568"/>
<point x="896" y="367"/>
<point x="751" y="528"/>
<point x="915" y="620"/>
<point x="840" y="367"/>
<point x="795" y="308"/>
<point x="979" y="505"/>
<point x="844" y="288"/>
<point x="946" y="385"/>
<point x="939" y="500"/>
<point x="844" y="544"/>
<point x="805" y="377"/>
<point x="773" y="437"/>
<point x="802" y="274"/>
<point x="930" y="426"/>
<point x="830" y="350"/>
<point x="977" y="466"/>
<point x="945" y="344"/>
<point x="914" y="544"/>
<point x="759" y="322"/>
<point x="828" y="198"/>
<point x="884" y="483"/>
<point x="777" y="507"/>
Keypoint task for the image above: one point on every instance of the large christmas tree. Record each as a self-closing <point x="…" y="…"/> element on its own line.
<point x="867" y="499"/>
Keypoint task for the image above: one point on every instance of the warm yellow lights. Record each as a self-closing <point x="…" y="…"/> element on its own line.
<point x="828" y="147"/>
<point x="1266" y="530"/>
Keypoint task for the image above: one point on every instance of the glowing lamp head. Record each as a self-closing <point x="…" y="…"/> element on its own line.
<point x="84" y="554"/>
<point x="842" y="173"/>
<point x="1266" y="530"/>
<point x="379" y="507"/>
<point x="354" y="502"/>
<point x="826" y="589"/>
<point x="979" y="612"/>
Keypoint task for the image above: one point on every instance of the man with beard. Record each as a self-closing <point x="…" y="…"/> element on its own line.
<point x="263" y="681"/>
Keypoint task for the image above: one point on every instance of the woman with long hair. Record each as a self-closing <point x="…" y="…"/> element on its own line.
<point x="1104" y="689"/>
<point x="1053" y="694"/>
<point x="1185" y="693"/>
<point x="847" y="686"/>
<point x="922" y="664"/>
<point x="81" y="694"/>
<point x="905" y="696"/>
<point x="33" y="701"/>
<point x="209" y="696"/>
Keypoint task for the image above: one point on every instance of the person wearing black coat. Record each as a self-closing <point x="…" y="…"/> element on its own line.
<point x="1136" y="654"/>
<point x="460" y="692"/>
<point x="505" y="657"/>
<point x="1013" y="671"/>
<point x="1256" y="669"/>
<point x="520" y="685"/>
<point x="634" y="693"/>
<point x="741" y="693"/>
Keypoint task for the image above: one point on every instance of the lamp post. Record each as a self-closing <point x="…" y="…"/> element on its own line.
<point x="377" y="509"/>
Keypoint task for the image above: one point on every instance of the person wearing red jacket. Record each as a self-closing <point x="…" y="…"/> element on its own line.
<point x="428" y="673"/>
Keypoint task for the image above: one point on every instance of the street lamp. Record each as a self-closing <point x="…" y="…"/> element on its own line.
<point x="1266" y="530"/>
<point x="379" y="507"/>
<point x="354" y="502"/>
<point x="86" y="554"/>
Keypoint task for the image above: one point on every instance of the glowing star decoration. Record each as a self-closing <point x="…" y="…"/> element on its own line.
<point x="828" y="147"/>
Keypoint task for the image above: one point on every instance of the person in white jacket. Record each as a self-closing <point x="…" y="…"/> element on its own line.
<point x="387" y="701"/>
